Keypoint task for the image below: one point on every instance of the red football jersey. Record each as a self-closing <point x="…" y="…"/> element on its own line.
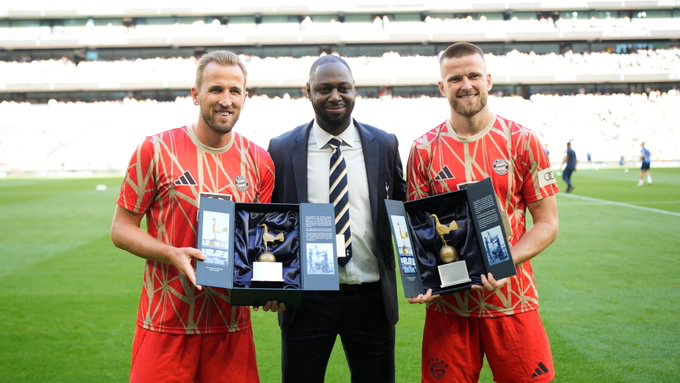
<point x="166" y="175"/>
<point x="514" y="159"/>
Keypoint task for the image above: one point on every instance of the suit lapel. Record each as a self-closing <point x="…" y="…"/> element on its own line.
<point x="299" y="162"/>
<point x="371" y="151"/>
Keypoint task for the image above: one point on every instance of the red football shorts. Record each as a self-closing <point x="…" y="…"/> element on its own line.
<point x="227" y="357"/>
<point x="516" y="348"/>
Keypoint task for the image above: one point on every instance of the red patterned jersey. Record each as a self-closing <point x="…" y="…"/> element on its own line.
<point x="166" y="175"/>
<point x="520" y="173"/>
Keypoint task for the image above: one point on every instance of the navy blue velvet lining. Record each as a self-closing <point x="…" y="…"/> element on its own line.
<point x="248" y="244"/>
<point x="428" y="243"/>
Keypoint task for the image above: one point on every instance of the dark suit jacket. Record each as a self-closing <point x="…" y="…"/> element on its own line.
<point x="385" y="180"/>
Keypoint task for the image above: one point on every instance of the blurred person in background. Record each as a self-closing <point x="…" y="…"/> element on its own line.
<point x="646" y="158"/>
<point x="569" y="163"/>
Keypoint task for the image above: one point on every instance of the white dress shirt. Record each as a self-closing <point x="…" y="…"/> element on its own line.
<point x="363" y="266"/>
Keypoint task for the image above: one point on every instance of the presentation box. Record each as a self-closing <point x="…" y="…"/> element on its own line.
<point x="468" y="221"/>
<point x="262" y="252"/>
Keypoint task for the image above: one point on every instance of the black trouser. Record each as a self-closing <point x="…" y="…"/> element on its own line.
<point x="356" y="314"/>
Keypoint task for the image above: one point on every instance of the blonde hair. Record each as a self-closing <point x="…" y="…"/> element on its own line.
<point x="222" y="57"/>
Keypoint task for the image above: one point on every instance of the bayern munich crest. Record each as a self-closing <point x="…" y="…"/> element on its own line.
<point x="241" y="183"/>
<point x="437" y="368"/>
<point x="501" y="167"/>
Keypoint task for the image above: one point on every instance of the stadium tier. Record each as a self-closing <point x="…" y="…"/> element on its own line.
<point x="141" y="8"/>
<point x="109" y="33"/>
<point x="99" y="136"/>
<point x="40" y="24"/>
<point x="390" y="69"/>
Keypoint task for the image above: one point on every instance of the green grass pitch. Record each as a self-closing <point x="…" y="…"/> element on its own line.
<point x="609" y="286"/>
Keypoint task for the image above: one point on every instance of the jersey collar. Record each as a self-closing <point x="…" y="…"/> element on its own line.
<point x="452" y="133"/>
<point x="191" y="132"/>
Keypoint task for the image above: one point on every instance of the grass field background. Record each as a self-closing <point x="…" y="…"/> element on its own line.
<point x="609" y="286"/>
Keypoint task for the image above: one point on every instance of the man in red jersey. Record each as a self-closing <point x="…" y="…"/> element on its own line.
<point x="186" y="333"/>
<point x="498" y="319"/>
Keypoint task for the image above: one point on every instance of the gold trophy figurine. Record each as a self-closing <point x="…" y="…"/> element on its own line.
<point x="447" y="253"/>
<point x="268" y="238"/>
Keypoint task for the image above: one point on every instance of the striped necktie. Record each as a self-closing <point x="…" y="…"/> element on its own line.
<point x="339" y="197"/>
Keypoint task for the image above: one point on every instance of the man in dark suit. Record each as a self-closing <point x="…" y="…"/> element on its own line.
<point x="355" y="166"/>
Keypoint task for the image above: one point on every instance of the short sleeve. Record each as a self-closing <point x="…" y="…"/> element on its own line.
<point x="538" y="179"/>
<point x="139" y="186"/>
<point x="266" y="171"/>
<point x="417" y="182"/>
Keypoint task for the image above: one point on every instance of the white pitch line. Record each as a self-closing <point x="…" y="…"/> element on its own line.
<point x="623" y="204"/>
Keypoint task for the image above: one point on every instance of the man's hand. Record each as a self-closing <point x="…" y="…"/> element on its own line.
<point x="490" y="283"/>
<point x="272" y="306"/>
<point x="181" y="257"/>
<point x="126" y="235"/>
<point x="427" y="298"/>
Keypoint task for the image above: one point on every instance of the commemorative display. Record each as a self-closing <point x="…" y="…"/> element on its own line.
<point x="264" y="252"/>
<point x="446" y="242"/>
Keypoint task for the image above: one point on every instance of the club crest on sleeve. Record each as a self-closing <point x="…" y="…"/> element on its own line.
<point x="501" y="167"/>
<point x="241" y="183"/>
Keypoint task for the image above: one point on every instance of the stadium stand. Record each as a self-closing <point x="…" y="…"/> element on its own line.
<point x="98" y="136"/>
<point x="79" y="74"/>
<point x="662" y="65"/>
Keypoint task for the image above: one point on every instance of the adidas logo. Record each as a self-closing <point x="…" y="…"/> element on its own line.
<point x="444" y="174"/>
<point x="185" y="179"/>
<point x="540" y="370"/>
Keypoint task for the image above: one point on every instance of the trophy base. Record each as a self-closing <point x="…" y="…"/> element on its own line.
<point x="455" y="273"/>
<point x="267" y="273"/>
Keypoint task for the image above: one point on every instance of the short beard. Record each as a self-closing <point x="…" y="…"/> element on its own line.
<point x="210" y="122"/>
<point x="471" y="110"/>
